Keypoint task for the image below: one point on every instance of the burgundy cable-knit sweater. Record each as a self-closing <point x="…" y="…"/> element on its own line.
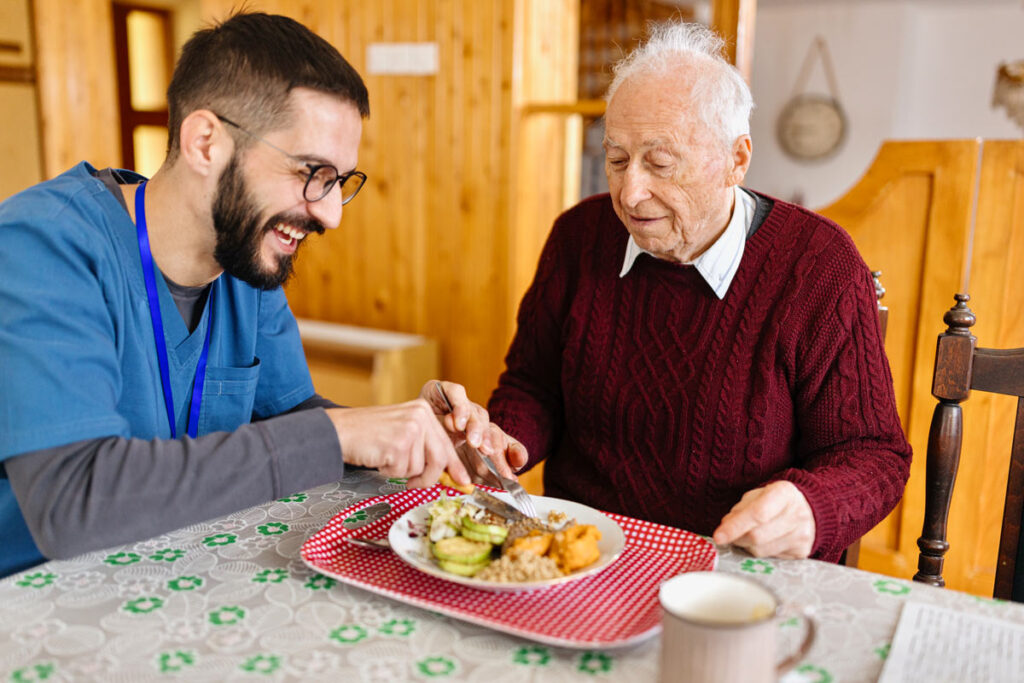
<point x="647" y="395"/>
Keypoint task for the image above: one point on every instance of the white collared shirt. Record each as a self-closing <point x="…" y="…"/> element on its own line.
<point x="719" y="262"/>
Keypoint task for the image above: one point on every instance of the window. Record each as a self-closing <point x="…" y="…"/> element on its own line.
<point x="143" y="43"/>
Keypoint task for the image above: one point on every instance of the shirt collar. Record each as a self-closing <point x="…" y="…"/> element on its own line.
<point x="719" y="262"/>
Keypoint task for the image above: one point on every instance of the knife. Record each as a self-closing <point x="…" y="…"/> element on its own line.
<point x="496" y="505"/>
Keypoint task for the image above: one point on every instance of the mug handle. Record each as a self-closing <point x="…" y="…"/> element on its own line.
<point x="801" y="652"/>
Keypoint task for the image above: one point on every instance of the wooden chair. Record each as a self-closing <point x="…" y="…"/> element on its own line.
<point x="851" y="555"/>
<point x="960" y="367"/>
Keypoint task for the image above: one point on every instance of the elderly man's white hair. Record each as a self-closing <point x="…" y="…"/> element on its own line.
<point x="723" y="97"/>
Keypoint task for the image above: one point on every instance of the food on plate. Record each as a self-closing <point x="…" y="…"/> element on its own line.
<point x="462" y="556"/>
<point x="518" y="566"/>
<point x="575" y="547"/>
<point x="534" y="541"/>
<point x="446" y="480"/>
<point x="467" y="540"/>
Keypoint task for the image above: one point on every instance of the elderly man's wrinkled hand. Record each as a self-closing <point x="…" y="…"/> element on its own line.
<point x="471" y="431"/>
<point x="772" y="521"/>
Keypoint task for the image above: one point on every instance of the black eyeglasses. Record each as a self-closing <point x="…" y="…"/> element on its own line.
<point x="320" y="178"/>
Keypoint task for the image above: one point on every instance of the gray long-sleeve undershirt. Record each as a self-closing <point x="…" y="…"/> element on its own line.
<point x="103" y="492"/>
<point x="108" y="491"/>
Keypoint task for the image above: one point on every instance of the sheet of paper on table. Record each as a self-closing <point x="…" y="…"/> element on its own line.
<point x="940" y="644"/>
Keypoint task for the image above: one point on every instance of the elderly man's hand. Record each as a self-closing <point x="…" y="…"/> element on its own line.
<point x="771" y="521"/>
<point x="471" y="431"/>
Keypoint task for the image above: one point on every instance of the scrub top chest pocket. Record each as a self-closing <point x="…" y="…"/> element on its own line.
<point x="228" y="397"/>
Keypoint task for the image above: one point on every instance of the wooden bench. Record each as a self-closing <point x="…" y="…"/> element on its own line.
<point x="361" y="366"/>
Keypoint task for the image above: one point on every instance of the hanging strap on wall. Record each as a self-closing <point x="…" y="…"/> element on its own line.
<point x="818" y="48"/>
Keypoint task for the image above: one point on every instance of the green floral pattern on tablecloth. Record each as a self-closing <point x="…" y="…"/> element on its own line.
<point x="226" y="600"/>
<point x="891" y="587"/>
<point x="185" y="583"/>
<point x="262" y="664"/>
<point x="36" y="580"/>
<point x="219" y="539"/>
<point x="121" y="559"/>
<point x="167" y="555"/>
<point x="36" y="672"/>
<point x="272" y="529"/>
<point x="595" y="663"/>
<point x="319" y="582"/>
<point x="814" y="674"/>
<point x="435" y="667"/>
<point x="349" y="634"/>
<point x="144" y="605"/>
<point x="227" y="616"/>
<point x="398" y="627"/>
<point x="534" y="655"/>
<point x="270" y="575"/>
<point x="173" y="662"/>
<point x="757" y="566"/>
<point x="356" y="517"/>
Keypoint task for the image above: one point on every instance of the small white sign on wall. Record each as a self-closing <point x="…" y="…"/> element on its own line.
<point x="402" y="59"/>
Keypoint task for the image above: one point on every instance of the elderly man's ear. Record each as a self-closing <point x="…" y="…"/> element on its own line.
<point x="740" y="159"/>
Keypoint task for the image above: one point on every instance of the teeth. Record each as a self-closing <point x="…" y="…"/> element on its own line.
<point x="290" y="231"/>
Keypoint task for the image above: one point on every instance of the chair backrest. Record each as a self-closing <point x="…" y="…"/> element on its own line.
<point x="851" y="556"/>
<point x="961" y="367"/>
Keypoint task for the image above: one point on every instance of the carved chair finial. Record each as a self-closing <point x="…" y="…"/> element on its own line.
<point x="960" y="318"/>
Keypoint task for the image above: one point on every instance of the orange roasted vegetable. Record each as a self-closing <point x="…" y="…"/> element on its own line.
<point x="575" y="547"/>
<point x="446" y="480"/>
<point x="534" y="541"/>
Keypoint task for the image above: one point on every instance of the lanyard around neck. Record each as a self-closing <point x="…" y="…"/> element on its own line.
<point x="158" y="326"/>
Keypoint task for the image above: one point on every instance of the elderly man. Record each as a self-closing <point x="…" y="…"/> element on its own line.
<point x="153" y="374"/>
<point x="695" y="353"/>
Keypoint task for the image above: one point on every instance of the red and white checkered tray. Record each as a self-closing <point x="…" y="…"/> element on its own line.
<point x="613" y="608"/>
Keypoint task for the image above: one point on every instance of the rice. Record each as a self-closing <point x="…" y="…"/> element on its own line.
<point x="518" y="566"/>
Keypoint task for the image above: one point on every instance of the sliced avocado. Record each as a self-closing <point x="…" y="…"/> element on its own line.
<point x="462" y="550"/>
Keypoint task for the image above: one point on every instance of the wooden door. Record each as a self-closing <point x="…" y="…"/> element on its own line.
<point x="910" y="216"/>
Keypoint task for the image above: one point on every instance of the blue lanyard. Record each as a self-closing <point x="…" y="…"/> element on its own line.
<point x="158" y="327"/>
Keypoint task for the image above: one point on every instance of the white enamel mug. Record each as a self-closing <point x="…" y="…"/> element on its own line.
<point x="722" y="628"/>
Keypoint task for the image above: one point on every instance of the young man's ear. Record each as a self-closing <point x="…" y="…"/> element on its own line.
<point x="205" y="144"/>
<point x="741" y="152"/>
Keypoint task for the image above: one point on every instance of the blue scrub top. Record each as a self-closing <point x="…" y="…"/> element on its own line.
<point x="77" y="353"/>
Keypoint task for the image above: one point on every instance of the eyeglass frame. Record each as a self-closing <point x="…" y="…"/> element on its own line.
<point x="311" y="169"/>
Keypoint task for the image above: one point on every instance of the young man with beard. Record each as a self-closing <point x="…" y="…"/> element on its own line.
<point x="151" y="372"/>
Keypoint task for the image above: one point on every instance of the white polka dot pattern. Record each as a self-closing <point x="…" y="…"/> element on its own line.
<point x="615" y="607"/>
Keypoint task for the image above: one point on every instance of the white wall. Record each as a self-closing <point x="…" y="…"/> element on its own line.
<point x="906" y="69"/>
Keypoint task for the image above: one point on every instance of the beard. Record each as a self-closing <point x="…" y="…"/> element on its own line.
<point x="240" y="233"/>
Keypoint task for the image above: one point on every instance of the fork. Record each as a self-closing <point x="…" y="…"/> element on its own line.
<point x="519" y="495"/>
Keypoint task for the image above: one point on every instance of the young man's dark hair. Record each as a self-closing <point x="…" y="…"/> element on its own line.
<point x="230" y="70"/>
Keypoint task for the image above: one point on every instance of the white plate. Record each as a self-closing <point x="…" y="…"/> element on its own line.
<point x="416" y="552"/>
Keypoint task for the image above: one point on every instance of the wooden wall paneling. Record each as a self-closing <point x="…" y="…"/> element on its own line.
<point x="995" y="284"/>
<point x="20" y="142"/>
<point x="77" y="84"/>
<point x="547" y="55"/>
<point x="546" y="71"/>
<point x="734" y="20"/>
<point x="16" y="43"/>
<point x="423" y="248"/>
<point x="910" y="217"/>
